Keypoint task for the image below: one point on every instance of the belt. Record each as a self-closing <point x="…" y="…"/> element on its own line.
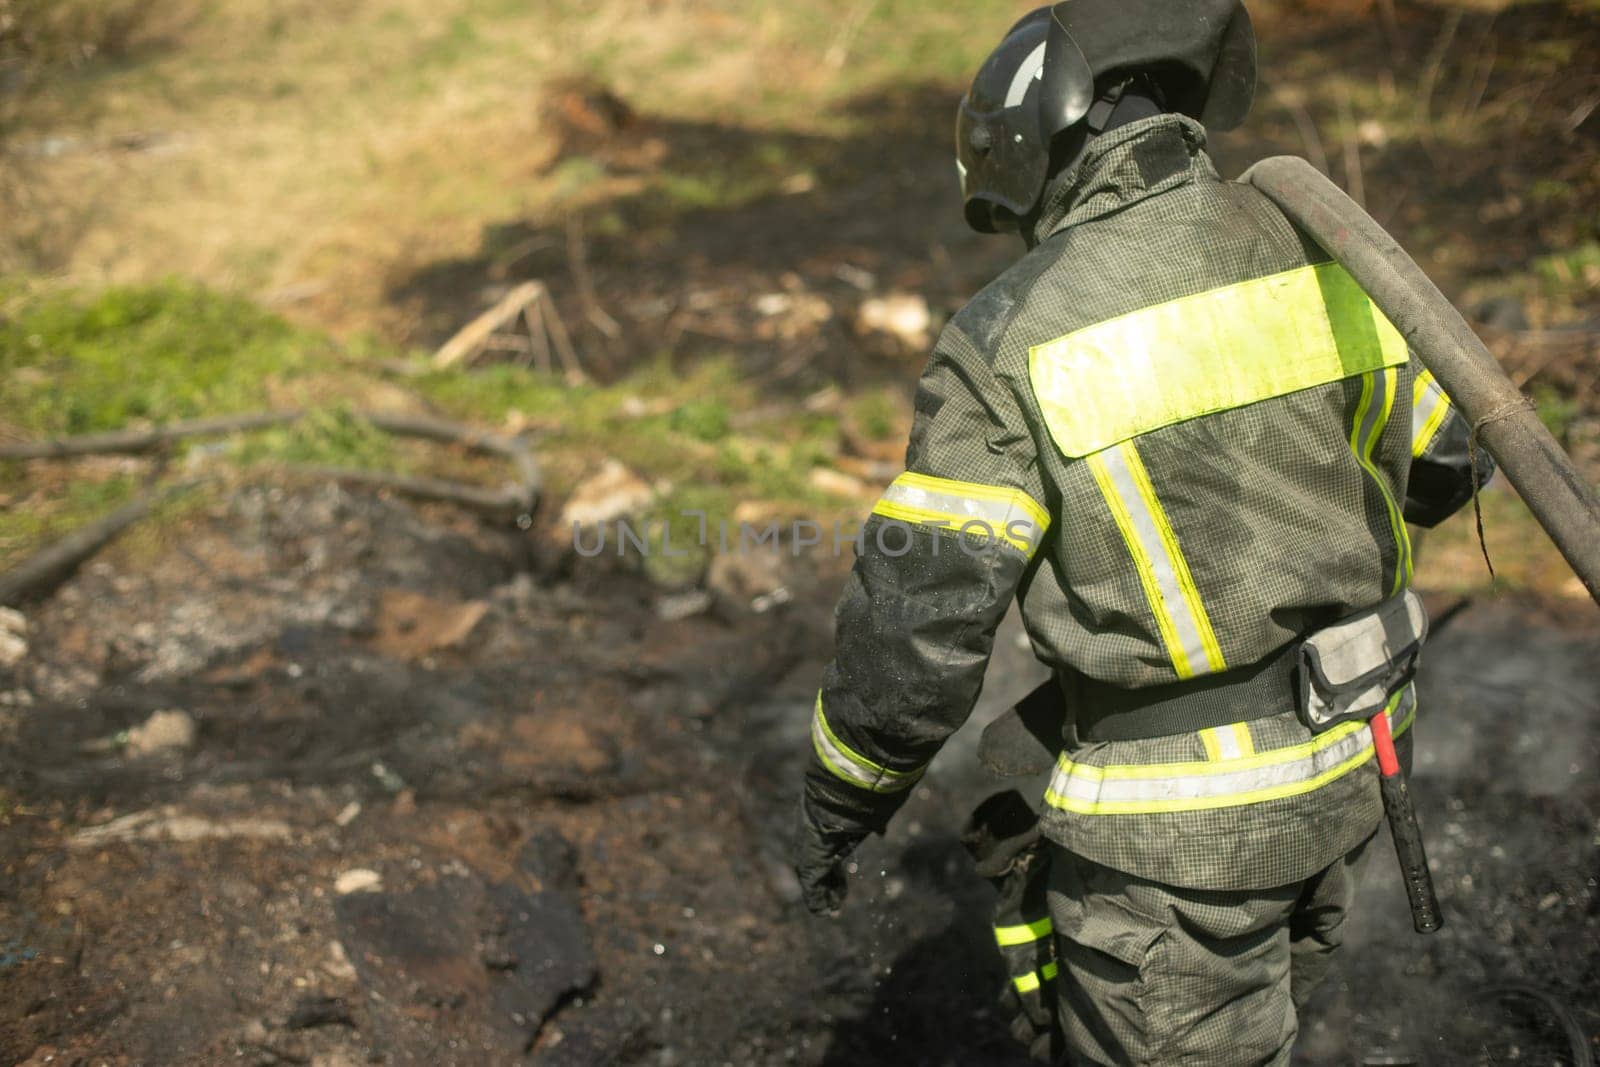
<point x="1104" y="712"/>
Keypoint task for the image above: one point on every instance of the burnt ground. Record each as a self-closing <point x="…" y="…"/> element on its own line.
<point x="573" y="813"/>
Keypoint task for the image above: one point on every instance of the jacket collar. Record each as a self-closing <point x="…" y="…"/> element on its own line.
<point x="1129" y="164"/>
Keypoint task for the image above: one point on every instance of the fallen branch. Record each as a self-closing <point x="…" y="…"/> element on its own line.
<point x="530" y="479"/>
<point x="499" y="503"/>
<point x="131" y="442"/>
<point x="46" y="569"/>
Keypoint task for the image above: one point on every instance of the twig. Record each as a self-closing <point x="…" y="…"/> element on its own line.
<point x="538" y="336"/>
<point x="1472" y="96"/>
<point x="578" y="258"/>
<point x="1430" y="74"/>
<point x="1307" y="127"/>
<point x="47" y="568"/>
<point x="1580" y="114"/>
<point x="1391" y="30"/>
<point x="563" y="344"/>
<point x="1353" y="177"/>
<point x="839" y="50"/>
<point x="125" y="442"/>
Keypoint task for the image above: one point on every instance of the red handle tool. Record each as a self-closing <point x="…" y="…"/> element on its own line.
<point x="1425" y="914"/>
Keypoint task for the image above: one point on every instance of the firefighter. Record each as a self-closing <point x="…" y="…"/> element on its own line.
<point x="1186" y="442"/>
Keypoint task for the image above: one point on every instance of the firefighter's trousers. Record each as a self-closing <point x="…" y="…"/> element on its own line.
<point x="1153" y="974"/>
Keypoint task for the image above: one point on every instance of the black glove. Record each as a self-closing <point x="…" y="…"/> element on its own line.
<point x="834" y="818"/>
<point x="1003" y="839"/>
<point x="820" y="865"/>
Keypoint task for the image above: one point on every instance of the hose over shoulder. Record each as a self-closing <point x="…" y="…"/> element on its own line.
<point x="1502" y="418"/>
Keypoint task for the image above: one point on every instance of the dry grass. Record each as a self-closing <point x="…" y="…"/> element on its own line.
<point x="303" y="152"/>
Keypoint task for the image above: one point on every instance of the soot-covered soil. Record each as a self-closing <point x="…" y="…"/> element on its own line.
<point x="446" y="802"/>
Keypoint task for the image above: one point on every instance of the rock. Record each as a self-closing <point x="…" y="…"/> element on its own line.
<point x="769" y="601"/>
<point x="167" y="730"/>
<point x="837" y="483"/>
<point x="12" y="649"/>
<point x="904" y="316"/>
<point x="675" y="607"/>
<point x="411" y="625"/>
<point x="13" y="639"/>
<point x="744" y="576"/>
<point x="338" y="964"/>
<point x="614" y="492"/>
<point x="334" y="1059"/>
<point x="358" y="880"/>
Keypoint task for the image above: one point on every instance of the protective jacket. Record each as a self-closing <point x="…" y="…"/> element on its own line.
<point x="1184" y="438"/>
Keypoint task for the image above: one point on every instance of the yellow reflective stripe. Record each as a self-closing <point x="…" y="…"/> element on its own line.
<point x="998" y="512"/>
<point x="1178" y="787"/>
<point x="1142" y="564"/>
<point x="1372" y="415"/>
<point x="1191" y="595"/>
<point x="1229" y="742"/>
<point x="1214" y="351"/>
<point x="1022" y="935"/>
<point x="852" y="767"/>
<point x="1158" y="560"/>
<point x="1429" y="408"/>
<point x="1027" y="983"/>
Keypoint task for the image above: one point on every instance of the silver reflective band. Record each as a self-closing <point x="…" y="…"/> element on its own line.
<point x="1143" y="790"/>
<point x="837" y="757"/>
<point x="990" y="513"/>
<point x="1429" y="406"/>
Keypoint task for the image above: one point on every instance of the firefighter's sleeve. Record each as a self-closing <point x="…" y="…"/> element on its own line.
<point x="939" y="560"/>
<point x="1442" y="458"/>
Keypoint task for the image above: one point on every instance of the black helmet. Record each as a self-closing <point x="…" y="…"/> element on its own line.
<point x="1200" y="56"/>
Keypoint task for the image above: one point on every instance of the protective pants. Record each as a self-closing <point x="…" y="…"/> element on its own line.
<point x="1155" y="974"/>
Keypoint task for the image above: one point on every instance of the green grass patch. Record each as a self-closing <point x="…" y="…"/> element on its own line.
<point x="336" y="437"/>
<point x="73" y="363"/>
<point x="1573" y="273"/>
<point x="684" y="428"/>
<point x="1557" y="410"/>
<point x="877" y="415"/>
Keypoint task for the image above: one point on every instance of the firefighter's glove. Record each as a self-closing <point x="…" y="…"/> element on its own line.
<point x="1003" y="839"/>
<point x="820" y="866"/>
<point x="834" y="819"/>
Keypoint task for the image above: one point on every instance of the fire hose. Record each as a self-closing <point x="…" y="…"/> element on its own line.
<point x="1501" y="417"/>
